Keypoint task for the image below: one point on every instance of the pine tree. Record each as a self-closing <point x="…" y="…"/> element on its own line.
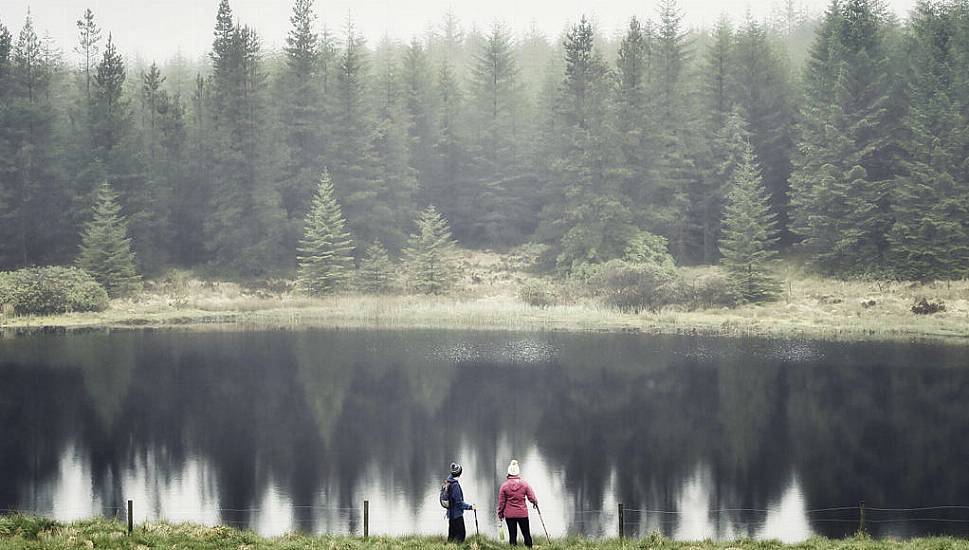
<point x="325" y="252"/>
<point x="377" y="272"/>
<point x="430" y="258"/>
<point x="106" y="248"/>
<point x="749" y="234"/>
<point x="89" y="35"/>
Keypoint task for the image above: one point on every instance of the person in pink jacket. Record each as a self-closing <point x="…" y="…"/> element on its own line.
<point x="512" y="507"/>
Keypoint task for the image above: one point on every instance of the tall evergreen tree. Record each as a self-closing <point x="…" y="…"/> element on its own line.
<point x="593" y="222"/>
<point x="392" y="147"/>
<point x="422" y="108"/>
<point x="89" y="35"/>
<point x="33" y="196"/>
<point x="930" y="197"/>
<point x="759" y="85"/>
<point x="325" y="252"/>
<point x="451" y="161"/>
<point x="430" y="258"/>
<point x="749" y="234"/>
<point x="353" y="162"/>
<point x="668" y="198"/>
<point x="846" y="151"/>
<point x="634" y="108"/>
<point x="245" y="224"/>
<point x="492" y="209"/>
<point x="106" y="248"/>
<point x="301" y="111"/>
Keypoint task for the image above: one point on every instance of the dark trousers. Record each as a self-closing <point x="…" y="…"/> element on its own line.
<point x="455" y="530"/>
<point x="513" y="525"/>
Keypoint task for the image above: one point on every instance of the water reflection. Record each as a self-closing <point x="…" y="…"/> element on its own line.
<point x="282" y="431"/>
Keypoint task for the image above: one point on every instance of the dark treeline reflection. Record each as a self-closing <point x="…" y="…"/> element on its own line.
<point x="328" y="418"/>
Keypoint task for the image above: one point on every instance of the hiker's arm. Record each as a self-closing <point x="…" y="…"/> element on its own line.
<point x="501" y="504"/>
<point x="459" y="497"/>
<point x="531" y="495"/>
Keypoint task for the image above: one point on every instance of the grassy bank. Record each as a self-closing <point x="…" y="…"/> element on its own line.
<point x="488" y="299"/>
<point x="26" y="532"/>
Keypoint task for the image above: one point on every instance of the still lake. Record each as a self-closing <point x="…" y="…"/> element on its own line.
<point x="280" y="431"/>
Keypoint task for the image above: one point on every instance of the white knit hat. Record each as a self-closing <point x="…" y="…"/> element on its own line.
<point x="513" y="469"/>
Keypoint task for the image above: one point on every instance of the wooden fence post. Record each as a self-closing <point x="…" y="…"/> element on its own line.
<point x="621" y="529"/>
<point x="366" y="518"/>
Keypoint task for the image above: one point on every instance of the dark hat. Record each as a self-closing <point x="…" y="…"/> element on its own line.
<point x="456" y="469"/>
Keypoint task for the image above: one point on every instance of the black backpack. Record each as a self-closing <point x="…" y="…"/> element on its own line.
<point x="445" y="496"/>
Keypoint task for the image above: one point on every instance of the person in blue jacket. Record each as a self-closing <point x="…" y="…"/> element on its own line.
<point x="456" y="506"/>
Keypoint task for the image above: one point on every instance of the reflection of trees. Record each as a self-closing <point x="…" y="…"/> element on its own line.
<point x="890" y="430"/>
<point x="322" y="412"/>
<point x="33" y="433"/>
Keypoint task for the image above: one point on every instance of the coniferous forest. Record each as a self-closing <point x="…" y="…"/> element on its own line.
<point x="840" y="141"/>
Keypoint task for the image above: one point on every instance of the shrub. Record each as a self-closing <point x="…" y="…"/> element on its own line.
<point x="47" y="290"/>
<point x="635" y="287"/>
<point x="712" y="289"/>
<point x="925" y="307"/>
<point x="537" y="294"/>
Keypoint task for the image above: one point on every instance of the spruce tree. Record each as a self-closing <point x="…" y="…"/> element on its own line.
<point x="492" y="209"/>
<point x="929" y="238"/>
<point x="588" y="214"/>
<point x="847" y="143"/>
<point x="749" y="234"/>
<point x="430" y="258"/>
<point x="325" y="252"/>
<point x="106" y="248"/>
<point x="376" y="273"/>
<point x="301" y="111"/>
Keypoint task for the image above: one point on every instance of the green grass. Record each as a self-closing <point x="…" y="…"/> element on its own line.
<point x="810" y="307"/>
<point x="30" y="532"/>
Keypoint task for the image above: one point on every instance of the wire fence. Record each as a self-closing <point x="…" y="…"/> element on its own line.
<point x="619" y="521"/>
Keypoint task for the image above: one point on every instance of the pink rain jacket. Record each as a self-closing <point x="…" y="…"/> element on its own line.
<point x="511" y="498"/>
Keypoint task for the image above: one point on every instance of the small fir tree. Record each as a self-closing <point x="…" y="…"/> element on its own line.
<point x="106" y="248"/>
<point x="376" y="273"/>
<point x="325" y="260"/>
<point x="430" y="256"/>
<point x="749" y="234"/>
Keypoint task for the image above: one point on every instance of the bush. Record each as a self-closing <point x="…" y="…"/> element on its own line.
<point x="925" y="307"/>
<point x="47" y="290"/>
<point x="537" y="294"/>
<point x="711" y="289"/>
<point x="635" y="287"/>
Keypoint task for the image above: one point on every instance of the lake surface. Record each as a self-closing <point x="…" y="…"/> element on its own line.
<point x="281" y="431"/>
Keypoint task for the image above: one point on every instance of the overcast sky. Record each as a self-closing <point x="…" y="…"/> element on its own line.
<point x="156" y="29"/>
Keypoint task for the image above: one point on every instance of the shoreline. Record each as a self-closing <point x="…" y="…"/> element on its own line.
<point x="502" y="313"/>
<point x="35" y="532"/>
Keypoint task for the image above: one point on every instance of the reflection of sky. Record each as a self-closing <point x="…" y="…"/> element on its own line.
<point x="190" y="494"/>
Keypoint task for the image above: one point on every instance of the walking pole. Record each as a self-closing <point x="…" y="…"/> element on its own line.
<point x="548" y="538"/>
<point x="477" y="531"/>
